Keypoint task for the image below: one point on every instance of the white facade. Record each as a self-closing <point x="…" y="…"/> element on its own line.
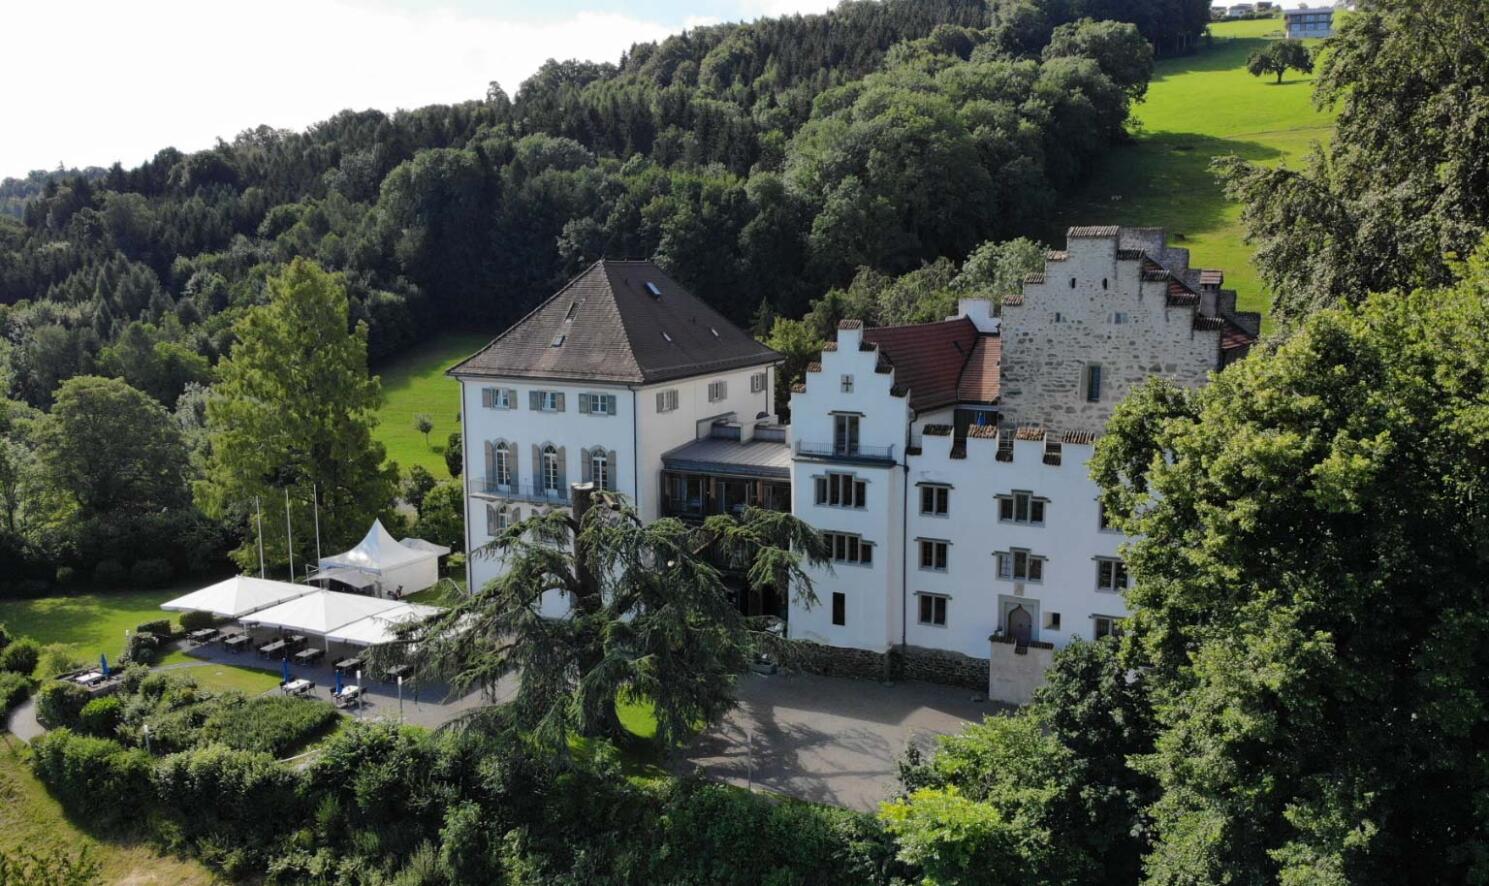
<point x="630" y="431"/>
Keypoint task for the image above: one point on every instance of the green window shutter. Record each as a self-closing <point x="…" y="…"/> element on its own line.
<point x="584" y="404"/>
<point x="563" y="465"/>
<point x="586" y="470"/>
<point x="612" y="470"/>
<point x="609" y="404"/>
<point x="535" y="400"/>
<point x="559" y="406"/>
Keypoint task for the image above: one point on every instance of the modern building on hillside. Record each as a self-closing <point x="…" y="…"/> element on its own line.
<point x="945" y="463"/>
<point x="617" y="368"/>
<point x="1306" y="23"/>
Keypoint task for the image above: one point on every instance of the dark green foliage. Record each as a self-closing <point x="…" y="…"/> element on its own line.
<point x="159" y="627"/>
<point x="21" y="656"/>
<point x="5" y="637"/>
<point x="59" y="703"/>
<point x="272" y="725"/>
<point x="1278" y="57"/>
<point x="454" y="456"/>
<point x="140" y="648"/>
<point x="216" y="794"/>
<point x="1309" y="556"/>
<point x="152" y="572"/>
<point x="416" y="484"/>
<point x="109" y="574"/>
<point x="94" y="777"/>
<point x="101" y="716"/>
<point x="14" y="689"/>
<point x="442" y="516"/>
<point x="196" y="621"/>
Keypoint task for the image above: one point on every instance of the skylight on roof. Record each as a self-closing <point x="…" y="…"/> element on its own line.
<point x="714" y="331"/>
<point x="558" y="340"/>
<point x="573" y="306"/>
<point x="665" y="335"/>
<point x="653" y="289"/>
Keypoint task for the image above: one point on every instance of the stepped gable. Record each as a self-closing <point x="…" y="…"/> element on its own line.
<point x="938" y="361"/>
<point x="618" y="321"/>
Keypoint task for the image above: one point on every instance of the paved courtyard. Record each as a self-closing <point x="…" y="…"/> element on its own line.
<point x="829" y="740"/>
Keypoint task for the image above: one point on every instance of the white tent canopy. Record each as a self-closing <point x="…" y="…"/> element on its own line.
<point x="321" y="612"/>
<point x="237" y="596"/>
<point x="395" y="566"/>
<point x="380" y="628"/>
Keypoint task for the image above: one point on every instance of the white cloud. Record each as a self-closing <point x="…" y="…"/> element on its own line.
<point x="94" y="81"/>
<point x="770" y="8"/>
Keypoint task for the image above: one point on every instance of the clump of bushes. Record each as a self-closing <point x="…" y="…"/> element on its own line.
<point x="21" y="656"/>
<point x="160" y="627"/>
<point x="101" y="716"/>
<point x="102" y="777"/>
<point x="141" y="648"/>
<point x="56" y="659"/>
<point x="195" y="621"/>
<point x="268" y="724"/>
<point x="14" y="689"/>
<point x="60" y="704"/>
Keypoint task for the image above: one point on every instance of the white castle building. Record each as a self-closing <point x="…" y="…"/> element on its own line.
<point x="945" y="462"/>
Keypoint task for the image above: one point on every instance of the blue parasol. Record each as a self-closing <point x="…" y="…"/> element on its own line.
<point x="286" y="669"/>
<point x="338" y="682"/>
<point x="103" y="661"/>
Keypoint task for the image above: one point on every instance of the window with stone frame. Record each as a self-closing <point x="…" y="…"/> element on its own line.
<point x="935" y="501"/>
<point x="845" y="547"/>
<point x="1020" y="565"/>
<point x="1111" y="574"/>
<point x="1022" y="507"/>
<point x="933" y="609"/>
<point x="933" y="553"/>
<point x="841" y="491"/>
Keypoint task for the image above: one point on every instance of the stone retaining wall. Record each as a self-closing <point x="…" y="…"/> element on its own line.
<point x="899" y="663"/>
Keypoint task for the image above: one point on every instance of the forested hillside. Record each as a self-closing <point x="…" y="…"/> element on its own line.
<point x="768" y="160"/>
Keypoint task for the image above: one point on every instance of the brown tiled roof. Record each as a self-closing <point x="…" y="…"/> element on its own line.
<point x="983" y="432"/>
<point x="1211" y="278"/>
<point x="1180" y="295"/>
<point x="619" y="331"/>
<point x="829" y="346"/>
<point x="1029" y="432"/>
<point x="1056" y="255"/>
<point x="937" y="430"/>
<point x="927" y="357"/>
<point x="981" y="380"/>
<point x="1209" y="324"/>
<point x="850" y="324"/>
<point x="1013" y="300"/>
<point x="814" y="367"/>
<point x="1083" y="438"/>
<point x="1034" y="278"/>
<point x="1093" y="231"/>
<point x="798" y="388"/>
<point x="1129" y="254"/>
<point x="1233" y="337"/>
<point x="1154" y="275"/>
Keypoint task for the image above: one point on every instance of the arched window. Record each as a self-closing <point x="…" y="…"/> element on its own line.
<point x="599" y="468"/>
<point x="551" y="482"/>
<point x="502" y="470"/>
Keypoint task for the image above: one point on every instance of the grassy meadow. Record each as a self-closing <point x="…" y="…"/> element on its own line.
<point x="1200" y="107"/>
<point x="415" y="384"/>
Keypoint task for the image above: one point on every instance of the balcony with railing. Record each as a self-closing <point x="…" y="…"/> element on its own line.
<point x="845" y="451"/>
<point x="519" y="491"/>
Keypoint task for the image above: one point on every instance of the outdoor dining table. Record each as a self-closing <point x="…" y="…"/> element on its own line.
<point x="396" y="671"/>
<point x="89" y="678"/>
<point x="202" y="636"/>
<point x="269" y="649"/>
<point x="347" y="665"/>
<point x="298" y="686"/>
<point x="347" y="695"/>
<point x="236" y="642"/>
<point x="309" y="656"/>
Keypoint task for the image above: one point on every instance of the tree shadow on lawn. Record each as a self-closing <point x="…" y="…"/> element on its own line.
<point x="1161" y="179"/>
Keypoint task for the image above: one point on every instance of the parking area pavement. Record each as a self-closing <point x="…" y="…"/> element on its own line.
<point x="828" y="739"/>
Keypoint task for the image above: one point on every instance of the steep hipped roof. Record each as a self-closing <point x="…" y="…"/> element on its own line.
<point x="930" y="358"/>
<point x="618" y="321"/>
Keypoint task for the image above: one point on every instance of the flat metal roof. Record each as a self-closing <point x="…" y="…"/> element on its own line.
<point x="766" y="459"/>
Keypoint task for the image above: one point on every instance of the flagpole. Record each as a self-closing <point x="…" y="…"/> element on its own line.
<point x="289" y="532"/>
<point x="258" y="503"/>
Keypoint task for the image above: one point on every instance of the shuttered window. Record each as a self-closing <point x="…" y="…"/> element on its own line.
<point x="667" y="400"/>
<point x="597" y="404"/>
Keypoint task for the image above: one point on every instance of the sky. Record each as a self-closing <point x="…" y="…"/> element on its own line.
<point x="89" y="82"/>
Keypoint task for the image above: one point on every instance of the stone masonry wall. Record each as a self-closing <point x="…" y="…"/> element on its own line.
<point x="1092" y="305"/>
<point x="899" y="663"/>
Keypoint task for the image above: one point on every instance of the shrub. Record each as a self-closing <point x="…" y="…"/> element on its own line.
<point x="94" y="776"/>
<point x="269" y="724"/>
<point x="195" y="621"/>
<point x="152" y="572"/>
<point x="160" y="628"/>
<point x="216" y="790"/>
<point x="66" y="575"/>
<point x="143" y="648"/>
<point x="21" y="656"/>
<point x="56" y="659"/>
<point x="14" y="689"/>
<point x="101" y="716"/>
<point x="109" y="574"/>
<point x="4" y="636"/>
<point x="60" y="703"/>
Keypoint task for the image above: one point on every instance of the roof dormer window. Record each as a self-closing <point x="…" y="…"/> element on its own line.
<point x="652" y="288"/>
<point x="666" y="336"/>
<point x="573" y="306"/>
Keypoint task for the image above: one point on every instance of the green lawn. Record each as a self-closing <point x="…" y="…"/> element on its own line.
<point x="415" y="384"/>
<point x="31" y="821"/>
<point x="94" y="623"/>
<point x="1199" y="107"/>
